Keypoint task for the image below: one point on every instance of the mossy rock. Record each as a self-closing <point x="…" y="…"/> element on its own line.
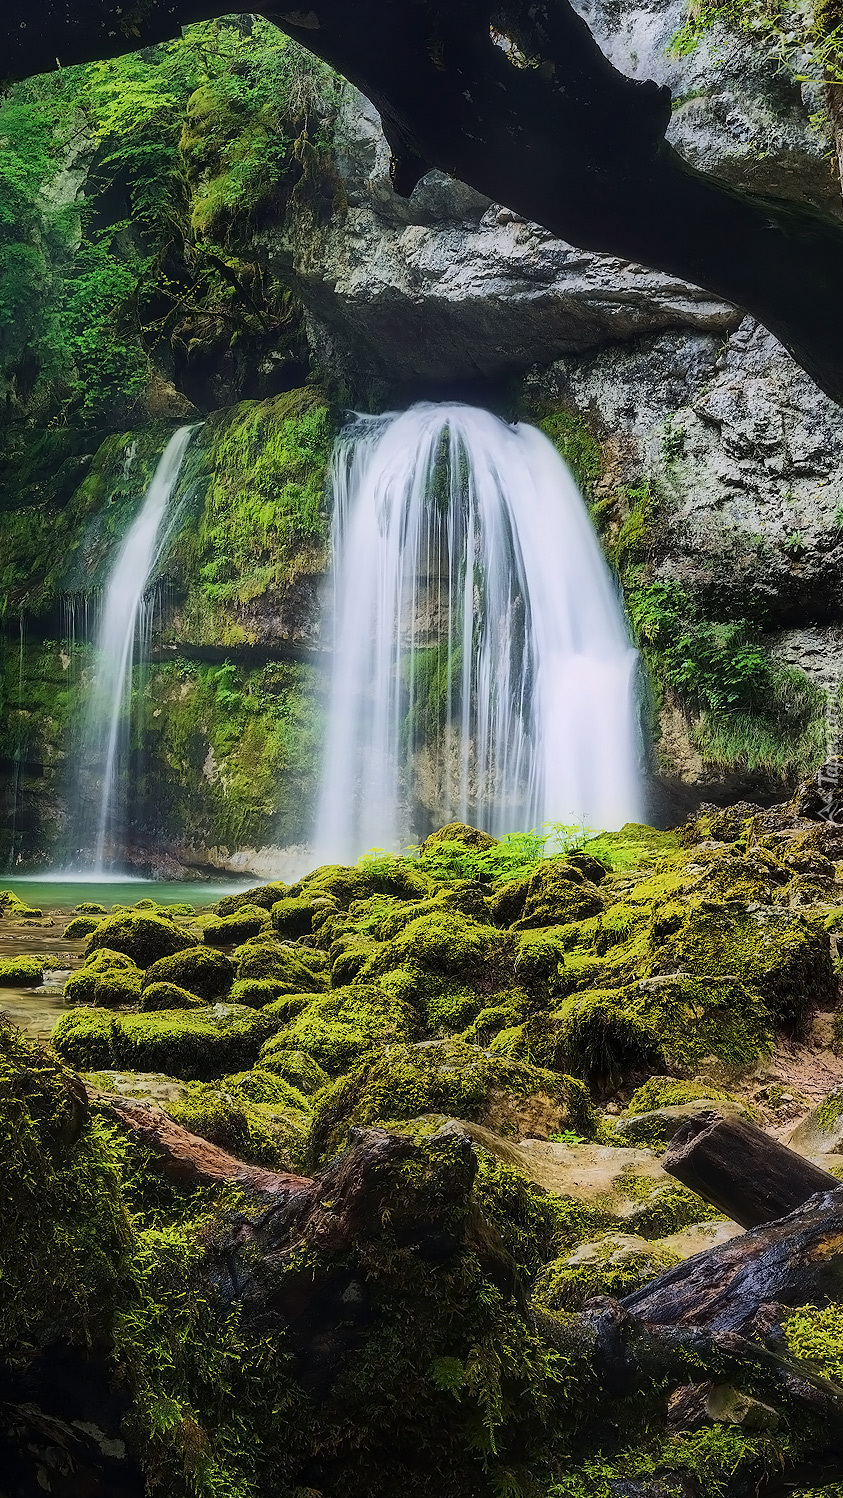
<point x="257" y="992"/>
<point x="263" y="1121"/>
<point x="783" y="954"/>
<point x="16" y="909"/>
<point x="452" y="1078"/>
<point x="208" y="974"/>
<point x="144" y="938"/>
<point x="105" y="957"/>
<point x="448" y="944"/>
<point x="263" y="896"/>
<point x="81" y="925"/>
<point x="297" y="969"/>
<point x="155" y="996"/>
<point x="295" y="1067"/>
<point x="459" y="832"/>
<point x="293" y="917"/>
<point x="229" y="930"/>
<point x="90" y="907"/>
<point x="104" y="986"/>
<point x="655" y="1129"/>
<point x="21" y="972"/>
<point x="677" y="1019"/>
<point x="554" y="894"/>
<point x="339" y="1029"/>
<point x="672" y="1092"/>
<point x="198" y="1044"/>
<point x="615" y="1265"/>
<point x="65" y="1231"/>
<point x="392" y="877"/>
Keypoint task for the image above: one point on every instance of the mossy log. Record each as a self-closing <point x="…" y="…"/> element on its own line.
<point x="739" y="1168"/>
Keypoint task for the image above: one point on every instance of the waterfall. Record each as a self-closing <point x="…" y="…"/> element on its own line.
<point x="122" y="635"/>
<point x="483" y="669"/>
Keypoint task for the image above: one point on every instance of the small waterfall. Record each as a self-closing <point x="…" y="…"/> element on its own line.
<point x="483" y="669"/>
<point x="122" y="636"/>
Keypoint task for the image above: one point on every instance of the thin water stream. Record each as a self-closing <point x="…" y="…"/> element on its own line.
<point x="122" y="637"/>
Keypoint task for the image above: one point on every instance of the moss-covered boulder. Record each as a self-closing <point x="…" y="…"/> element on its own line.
<point x="228" y="930"/>
<point x="615" y="1265"/>
<point x="254" y="1115"/>
<point x="196" y="1043"/>
<point x="207" y="973"/>
<point x="104" y="986"/>
<point x="64" y="1231"/>
<point x="554" y="894"/>
<point x="143" y="937"/>
<point x="459" y="832"/>
<point x="298" y="969"/>
<point x="454" y="1079"/>
<point x="783" y="954"/>
<point x="294" y="917"/>
<point x="155" y="996"/>
<point x="295" y="1067"/>
<point x="262" y="895"/>
<point x="392" y="877"/>
<point x="81" y="925"/>
<point x="338" y="1029"/>
<point x="676" y="1020"/>
<point x="21" y="972"/>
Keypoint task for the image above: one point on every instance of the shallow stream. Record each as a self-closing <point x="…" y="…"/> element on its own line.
<point x="36" y="1010"/>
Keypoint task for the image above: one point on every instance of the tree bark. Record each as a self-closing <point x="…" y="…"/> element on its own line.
<point x="542" y="123"/>
<point x="739" y="1168"/>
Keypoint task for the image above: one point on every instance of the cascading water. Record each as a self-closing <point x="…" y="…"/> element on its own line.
<point x="483" y="669"/>
<point x="121" y="635"/>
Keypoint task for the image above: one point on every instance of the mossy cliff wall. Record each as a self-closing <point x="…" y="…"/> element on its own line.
<point x="227" y="719"/>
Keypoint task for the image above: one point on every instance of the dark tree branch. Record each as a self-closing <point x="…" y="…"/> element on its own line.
<point x="542" y="123"/>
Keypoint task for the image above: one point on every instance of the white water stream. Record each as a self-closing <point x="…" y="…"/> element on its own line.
<point x="483" y="668"/>
<point x="121" y="635"/>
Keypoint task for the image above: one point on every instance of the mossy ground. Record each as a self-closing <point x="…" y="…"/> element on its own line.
<point x="456" y="990"/>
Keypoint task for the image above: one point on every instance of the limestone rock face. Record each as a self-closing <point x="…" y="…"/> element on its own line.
<point x="737" y="113"/>
<point x="447" y="286"/>
<point x="746" y="454"/>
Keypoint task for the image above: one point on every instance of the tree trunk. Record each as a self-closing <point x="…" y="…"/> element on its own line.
<point x="742" y="1170"/>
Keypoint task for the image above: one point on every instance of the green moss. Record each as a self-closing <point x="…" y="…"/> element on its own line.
<point x="679" y="1020"/>
<point x="815" y="1334"/>
<point x="228" y="930"/>
<point x="258" y="1122"/>
<point x="612" y="1265"/>
<point x="296" y="969"/>
<point x="781" y="953"/>
<point x="24" y="972"/>
<point x="295" y="1067"/>
<point x="571" y="437"/>
<point x="292" y="917"/>
<point x="64" y="1230"/>
<point x="196" y="1044"/>
<point x="81" y="925"/>
<point x="667" y="1092"/>
<point x="339" y="1029"/>
<point x="144" y="938"/>
<point x="162" y="995"/>
<point x="208" y="974"/>
<point x="103" y="985"/>
<point x="445" y="1077"/>
<point x="263" y="895"/>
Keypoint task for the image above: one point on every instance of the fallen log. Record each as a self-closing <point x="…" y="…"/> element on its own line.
<point x="740" y="1169"/>
<point x="789" y="1262"/>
